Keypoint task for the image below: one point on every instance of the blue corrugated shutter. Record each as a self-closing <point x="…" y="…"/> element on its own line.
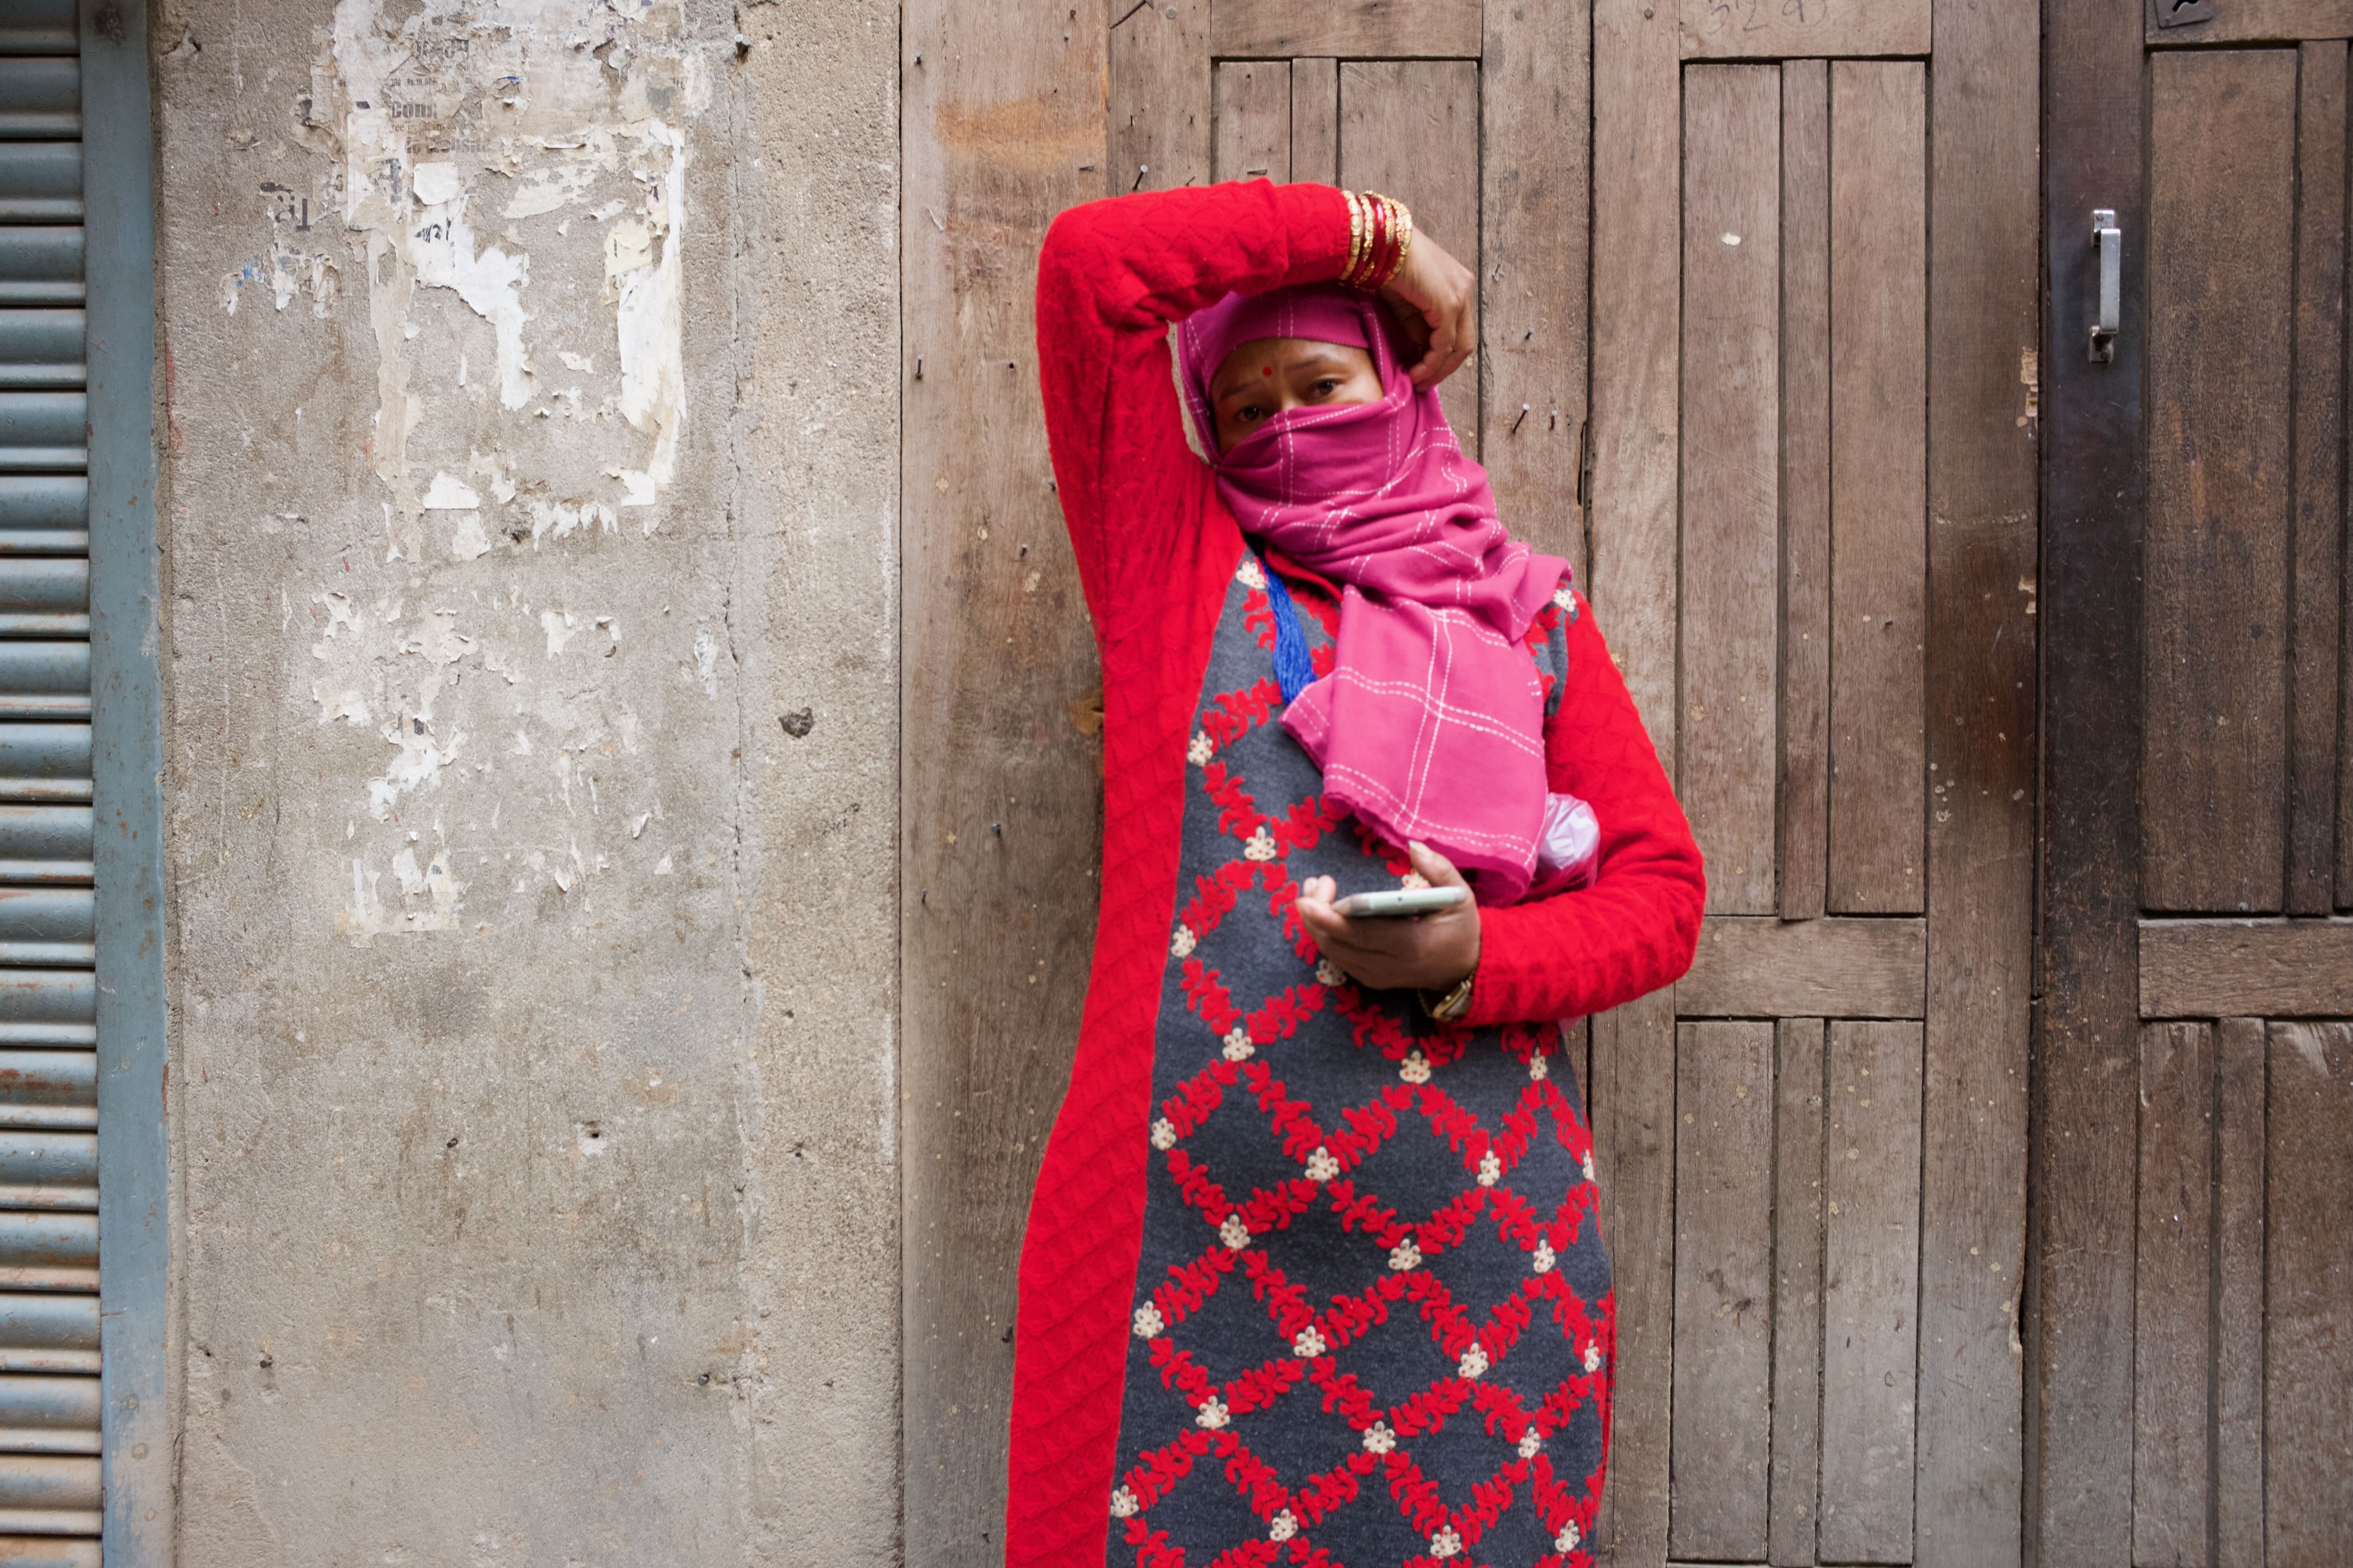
<point x="49" y="1400"/>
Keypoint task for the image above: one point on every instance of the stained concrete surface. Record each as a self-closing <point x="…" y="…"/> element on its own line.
<point x="531" y="386"/>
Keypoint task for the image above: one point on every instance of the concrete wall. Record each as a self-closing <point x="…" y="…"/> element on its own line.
<point x="530" y="516"/>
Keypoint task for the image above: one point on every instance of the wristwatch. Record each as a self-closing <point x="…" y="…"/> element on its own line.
<point x="1451" y="1007"/>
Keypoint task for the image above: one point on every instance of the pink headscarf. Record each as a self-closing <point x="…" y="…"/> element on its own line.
<point x="1430" y="725"/>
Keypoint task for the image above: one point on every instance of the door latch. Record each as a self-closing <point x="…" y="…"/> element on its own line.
<point x="2107" y="240"/>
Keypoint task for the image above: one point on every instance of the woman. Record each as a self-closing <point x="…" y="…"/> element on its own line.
<point x="1311" y="1267"/>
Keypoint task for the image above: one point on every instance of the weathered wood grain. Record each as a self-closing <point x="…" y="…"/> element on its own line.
<point x="1535" y="80"/>
<point x="1871" y="1292"/>
<point x="1637" y="327"/>
<point x="1724" y="1283"/>
<point x="1000" y="811"/>
<point x="1252" y="121"/>
<point x="1797" y="1215"/>
<point x="1315" y="121"/>
<point x="1634" y="1157"/>
<point x="1763" y="968"/>
<point x="2308" y="1354"/>
<point x="2239" y="1170"/>
<point x="1409" y="129"/>
<point x="2221" y="249"/>
<point x="1160" y="122"/>
<point x="1351" y="29"/>
<point x="2173" y="1324"/>
<point x="1804" y="792"/>
<point x="2077" y="1319"/>
<point x="1778" y="29"/>
<point x="2316" y="638"/>
<point x="1879" y="533"/>
<point x="1984" y="312"/>
<point x="1731" y="488"/>
<point x="2220" y="969"/>
<point x="2257" y="21"/>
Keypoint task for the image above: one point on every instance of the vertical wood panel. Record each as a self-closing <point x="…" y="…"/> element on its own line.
<point x="1315" y="121"/>
<point x="1005" y="124"/>
<point x="1159" y="83"/>
<point x="1534" y="84"/>
<point x="1636" y="325"/>
<point x="1731" y="473"/>
<point x="2221" y="241"/>
<point x="1804" y="797"/>
<point x="2173" y="1323"/>
<point x="1797" y="1293"/>
<point x="1634" y="1154"/>
<point x="1409" y="129"/>
<point x="1878" y="483"/>
<point x="2077" y="1328"/>
<point x="2308" y="1353"/>
<point x="2319" y="599"/>
<point x="1253" y="120"/>
<point x="2239" y="1165"/>
<point x="1869" y="1338"/>
<point x="1723" y="1333"/>
<point x="1985" y="311"/>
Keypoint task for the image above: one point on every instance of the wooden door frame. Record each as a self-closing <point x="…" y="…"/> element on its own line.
<point x="2079" y="1309"/>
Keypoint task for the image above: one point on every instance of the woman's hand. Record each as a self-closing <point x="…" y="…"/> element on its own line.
<point x="1436" y="300"/>
<point x="1427" y="952"/>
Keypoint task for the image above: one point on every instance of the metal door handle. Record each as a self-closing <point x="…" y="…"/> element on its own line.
<point x="2108" y="240"/>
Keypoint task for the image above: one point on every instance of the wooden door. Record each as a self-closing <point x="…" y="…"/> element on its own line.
<point x="2193" y="1353"/>
<point x="1758" y="353"/>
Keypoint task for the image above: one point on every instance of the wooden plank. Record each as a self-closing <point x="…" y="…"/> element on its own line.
<point x="2221" y="248"/>
<point x="2317" y="599"/>
<point x="1805" y="783"/>
<point x="1535" y="77"/>
<point x="1160" y="89"/>
<point x="2256" y="21"/>
<point x="1871" y="1292"/>
<point x="1723" y="1281"/>
<point x="1753" y="968"/>
<point x="2308" y="1354"/>
<point x="998" y="138"/>
<point x="1253" y="120"/>
<point x="2220" y="969"/>
<point x="1409" y="129"/>
<point x="1879" y="535"/>
<point x="2077" y="1319"/>
<point x="1351" y="29"/>
<point x="1637" y="329"/>
<point x="2173" y="1318"/>
<point x="2238" y="1167"/>
<point x="1731" y="488"/>
<point x="1797" y="1214"/>
<point x="1634" y="1156"/>
<point x="1779" y="29"/>
<point x="1315" y="121"/>
<point x="1984" y="312"/>
<point x="1636" y="324"/>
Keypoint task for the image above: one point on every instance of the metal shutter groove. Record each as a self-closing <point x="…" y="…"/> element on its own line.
<point x="49" y="1389"/>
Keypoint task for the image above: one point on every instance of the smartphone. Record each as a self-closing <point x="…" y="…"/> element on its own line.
<point x="1399" y="902"/>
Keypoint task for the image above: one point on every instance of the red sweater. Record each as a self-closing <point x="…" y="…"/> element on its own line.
<point x="1156" y="547"/>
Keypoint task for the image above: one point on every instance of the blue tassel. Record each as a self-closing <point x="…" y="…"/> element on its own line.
<point x="1295" y="671"/>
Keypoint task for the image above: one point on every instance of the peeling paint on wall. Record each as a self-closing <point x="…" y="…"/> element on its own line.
<point x="507" y="178"/>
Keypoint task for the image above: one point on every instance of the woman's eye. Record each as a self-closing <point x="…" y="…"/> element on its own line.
<point x="1327" y="386"/>
<point x="1249" y="412"/>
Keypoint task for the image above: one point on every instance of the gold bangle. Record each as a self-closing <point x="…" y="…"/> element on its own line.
<point x="1355" y="237"/>
<point x="1405" y="242"/>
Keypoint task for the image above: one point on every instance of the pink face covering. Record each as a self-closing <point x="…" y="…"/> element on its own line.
<point x="1430" y="725"/>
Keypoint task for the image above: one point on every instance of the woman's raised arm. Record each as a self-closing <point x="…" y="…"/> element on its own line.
<point x="1112" y="277"/>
